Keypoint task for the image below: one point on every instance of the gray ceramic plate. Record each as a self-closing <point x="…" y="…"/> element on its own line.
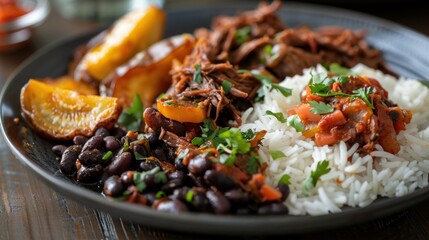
<point x="404" y="50"/>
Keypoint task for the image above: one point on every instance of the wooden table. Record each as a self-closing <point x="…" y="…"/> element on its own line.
<point x="31" y="210"/>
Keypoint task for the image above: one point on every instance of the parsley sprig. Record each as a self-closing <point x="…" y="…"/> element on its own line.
<point x="320" y="107"/>
<point x="132" y="117"/>
<point x="321" y="86"/>
<point x="266" y="82"/>
<point x="311" y="181"/>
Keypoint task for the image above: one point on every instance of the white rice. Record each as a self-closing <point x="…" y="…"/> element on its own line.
<point x="354" y="182"/>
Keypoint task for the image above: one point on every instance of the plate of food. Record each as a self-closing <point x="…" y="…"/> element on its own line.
<point x="239" y="120"/>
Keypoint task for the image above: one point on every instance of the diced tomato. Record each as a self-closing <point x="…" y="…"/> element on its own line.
<point x="306" y="116"/>
<point x="331" y="120"/>
<point x="269" y="193"/>
<point x="323" y="138"/>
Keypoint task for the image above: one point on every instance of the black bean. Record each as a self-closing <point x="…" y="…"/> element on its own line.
<point x="180" y="193"/>
<point x="141" y="150"/>
<point x="118" y="133"/>
<point x="219" y="180"/>
<point x="194" y="180"/>
<point x="178" y="164"/>
<point x="68" y="159"/>
<point x="149" y="179"/>
<point x="237" y="196"/>
<point x="126" y="179"/>
<point x="111" y="143"/>
<point x="102" y="132"/>
<point x="79" y="140"/>
<point x="284" y="189"/>
<point x="89" y="174"/>
<point x="160" y="154"/>
<point x="174" y="206"/>
<point x="273" y="208"/>
<point x="147" y="165"/>
<point x="153" y="139"/>
<point x="113" y="186"/>
<point x="199" y="164"/>
<point x="95" y="142"/>
<point x="199" y="201"/>
<point x="176" y="175"/>
<point x="58" y="150"/>
<point x="171" y="185"/>
<point x="218" y="202"/>
<point x="91" y="157"/>
<point x="120" y="163"/>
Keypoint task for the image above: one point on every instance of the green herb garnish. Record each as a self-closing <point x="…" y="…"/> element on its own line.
<point x="198" y="78"/>
<point x="138" y="156"/>
<point x="309" y="183"/>
<point x="248" y="134"/>
<point x="267" y="82"/>
<point x="160" y="194"/>
<point x="278" y="115"/>
<point x="284" y="180"/>
<point x="242" y="35"/>
<point x="189" y="196"/>
<point x="363" y="93"/>
<point x="320" y="107"/>
<point x="107" y="156"/>
<point x="226" y="86"/>
<point x="295" y="122"/>
<point x="277" y="154"/>
<point x="338" y="69"/>
<point x="133" y="116"/>
<point x="253" y="163"/>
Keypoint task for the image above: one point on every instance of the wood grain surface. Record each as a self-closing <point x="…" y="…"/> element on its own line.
<point x="31" y="210"/>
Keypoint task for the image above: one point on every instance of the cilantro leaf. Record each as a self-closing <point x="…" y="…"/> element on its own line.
<point x="284" y="91"/>
<point x="189" y="196"/>
<point x="248" y="134"/>
<point x="311" y="181"/>
<point x="242" y="35"/>
<point x="295" y="122"/>
<point x="107" y="156"/>
<point x="226" y="86"/>
<point x="338" y="69"/>
<point x="363" y="93"/>
<point x="320" y="107"/>
<point x="132" y="117"/>
<point x="253" y="163"/>
<point x="278" y="115"/>
<point x="198" y="78"/>
<point x="277" y="154"/>
<point x="284" y="180"/>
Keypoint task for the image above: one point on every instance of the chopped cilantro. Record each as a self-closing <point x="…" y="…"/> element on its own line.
<point x="133" y="116"/>
<point x="253" y="163"/>
<point x="311" y="181"/>
<point x="189" y="196"/>
<point x="160" y="194"/>
<point x="295" y="122"/>
<point x="277" y="154"/>
<point x="284" y="180"/>
<point x="320" y="107"/>
<point x="226" y="86"/>
<point x="278" y="115"/>
<point x="107" y="156"/>
<point x="160" y="177"/>
<point x="267" y="82"/>
<point x="138" y="156"/>
<point x="425" y="83"/>
<point x="248" y="134"/>
<point x="321" y="87"/>
<point x="242" y="35"/>
<point x="338" y="69"/>
<point x="198" y="78"/>
<point x="363" y="93"/>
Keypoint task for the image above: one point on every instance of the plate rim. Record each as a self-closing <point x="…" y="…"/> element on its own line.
<point x="217" y="224"/>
